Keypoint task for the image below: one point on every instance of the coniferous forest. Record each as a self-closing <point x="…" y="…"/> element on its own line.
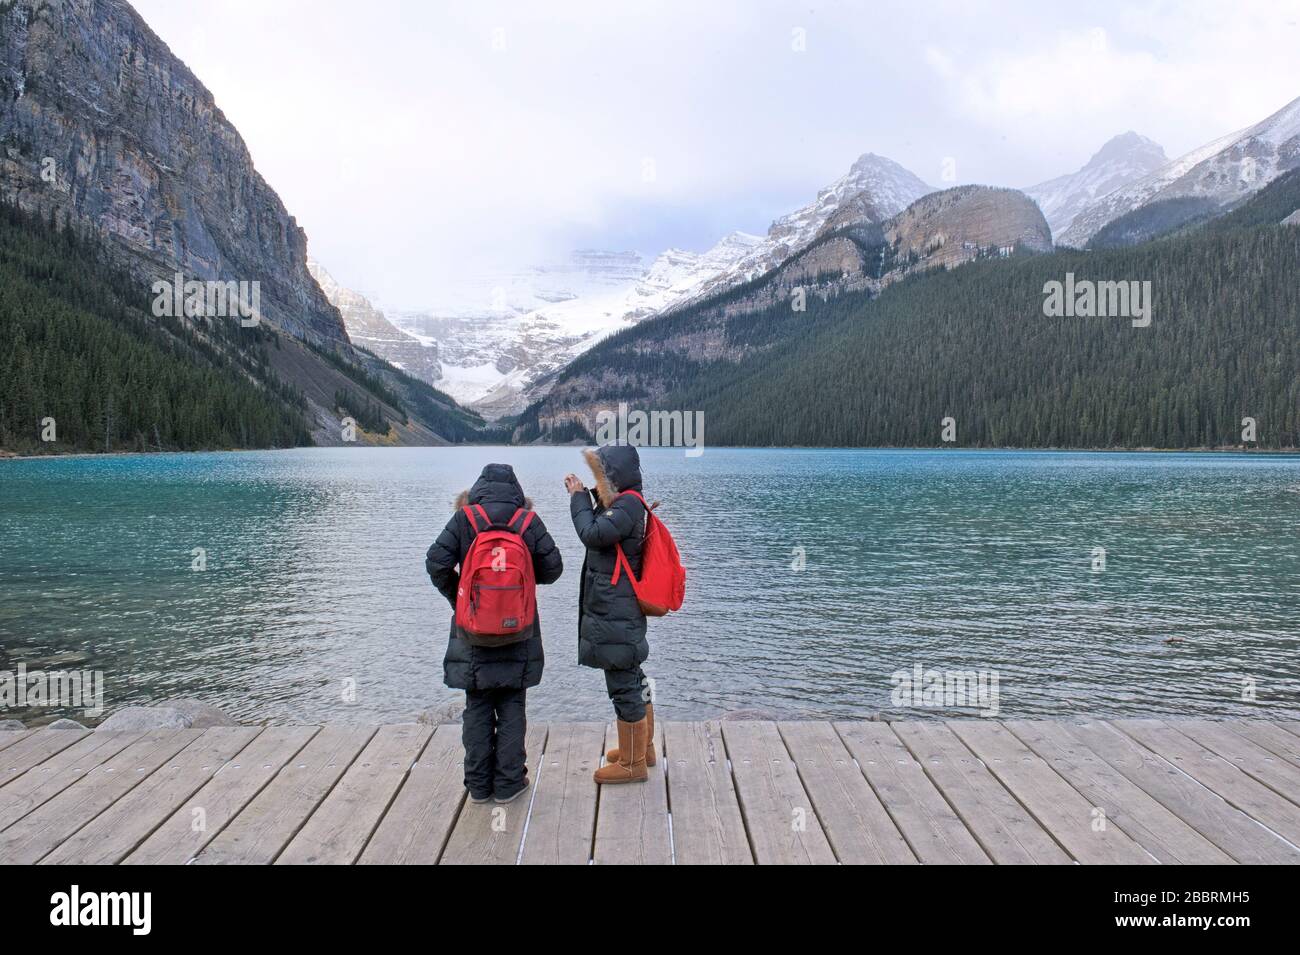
<point x="85" y="362"/>
<point x="973" y="344"/>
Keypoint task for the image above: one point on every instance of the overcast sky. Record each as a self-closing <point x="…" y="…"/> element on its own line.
<point x="419" y="142"/>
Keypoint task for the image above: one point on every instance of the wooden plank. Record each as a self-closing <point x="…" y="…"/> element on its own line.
<point x="708" y="828"/>
<point x="34" y="749"/>
<point x="208" y="811"/>
<point x="1056" y="804"/>
<point x="1215" y="773"/>
<point x="1270" y="736"/>
<point x="9" y="737"/>
<point x="856" y="824"/>
<point x="1146" y="820"/>
<point x="935" y="833"/>
<point x="1003" y="828"/>
<point x="779" y="814"/>
<point x="39" y="832"/>
<point x="115" y="832"/>
<point x="1228" y="828"/>
<point x="338" y="830"/>
<point x="563" y="821"/>
<point x="491" y="834"/>
<point x="416" y="827"/>
<point x="1255" y="761"/>
<point x="632" y="818"/>
<point x="46" y="780"/>
<point x="261" y="831"/>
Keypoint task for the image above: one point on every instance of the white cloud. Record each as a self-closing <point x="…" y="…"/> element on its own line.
<point x="414" y="153"/>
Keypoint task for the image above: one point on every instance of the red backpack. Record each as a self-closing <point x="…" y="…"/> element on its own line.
<point x="496" y="602"/>
<point x="662" y="586"/>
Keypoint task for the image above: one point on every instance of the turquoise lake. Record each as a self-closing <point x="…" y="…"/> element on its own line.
<point x="944" y="560"/>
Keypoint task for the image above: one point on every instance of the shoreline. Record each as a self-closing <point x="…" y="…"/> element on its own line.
<point x="1227" y="449"/>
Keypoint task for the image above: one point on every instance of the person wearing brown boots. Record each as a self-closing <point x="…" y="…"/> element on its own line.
<point x="611" y="626"/>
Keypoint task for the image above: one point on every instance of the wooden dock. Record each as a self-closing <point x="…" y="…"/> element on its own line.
<point x="979" y="792"/>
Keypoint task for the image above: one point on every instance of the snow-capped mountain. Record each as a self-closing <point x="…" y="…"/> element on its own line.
<point x="501" y="339"/>
<point x="873" y="190"/>
<point x="1224" y="170"/>
<point x="1123" y="160"/>
<point x="368" y="327"/>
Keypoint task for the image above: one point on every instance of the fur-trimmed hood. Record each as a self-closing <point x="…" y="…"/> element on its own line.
<point x="616" y="467"/>
<point x="497" y="484"/>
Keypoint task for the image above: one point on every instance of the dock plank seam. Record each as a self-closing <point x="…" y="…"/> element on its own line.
<point x="1206" y="801"/>
<point x="311" y="812"/>
<point x="393" y="798"/>
<point x="235" y="815"/>
<point x="876" y="790"/>
<point x="159" y="822"/>
<point x="915" y="847"/>
<point x="744" y="820"/>
<point x="1228" y="798"/>
<point x="996" y="780"/>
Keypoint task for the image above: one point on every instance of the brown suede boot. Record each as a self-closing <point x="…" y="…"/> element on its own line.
<point x="612" y="755"/>
<point x="631" y="768"/>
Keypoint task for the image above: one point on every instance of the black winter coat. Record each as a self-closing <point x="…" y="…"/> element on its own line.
<point x="517" y="665"/>
<point x="611" y="626"/>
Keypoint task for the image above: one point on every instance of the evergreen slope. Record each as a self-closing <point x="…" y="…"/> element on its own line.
<point x="973" y="343"/>
<point x="81" y="347"/>
<point x="1271" y="205"/>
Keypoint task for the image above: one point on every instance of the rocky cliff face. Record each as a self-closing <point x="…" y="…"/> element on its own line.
<point x="99" y="122"/>
<point x="370" y="329"/>
<point x="954" y="226"/>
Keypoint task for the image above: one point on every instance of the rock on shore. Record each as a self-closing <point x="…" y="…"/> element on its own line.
<point x="173" y="714"/>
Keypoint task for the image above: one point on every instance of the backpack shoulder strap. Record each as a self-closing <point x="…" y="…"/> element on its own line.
<point x="523" y="525"/>
<point x="637" y="495"/>
<point x="472" y="515"/>
<point x="621" y="565"/>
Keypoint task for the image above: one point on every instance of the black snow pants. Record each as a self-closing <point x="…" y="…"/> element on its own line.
<point x="493" y="733"/>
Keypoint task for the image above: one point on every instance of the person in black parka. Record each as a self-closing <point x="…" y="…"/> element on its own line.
<point x="495" y="679"/>
<point x="611" y="626"/>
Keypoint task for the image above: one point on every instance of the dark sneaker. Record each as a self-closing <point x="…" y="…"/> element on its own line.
<point x="479" y="800"/>
<point x="511" y="797"/>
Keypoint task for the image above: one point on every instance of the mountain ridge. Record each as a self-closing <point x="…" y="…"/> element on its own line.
<point x="940" y="230"/>
<point x="1224" y="170"/>
<point x="1120" y="161"/>
<point x="974" y="343"/>
<point x="874" y="189"/>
